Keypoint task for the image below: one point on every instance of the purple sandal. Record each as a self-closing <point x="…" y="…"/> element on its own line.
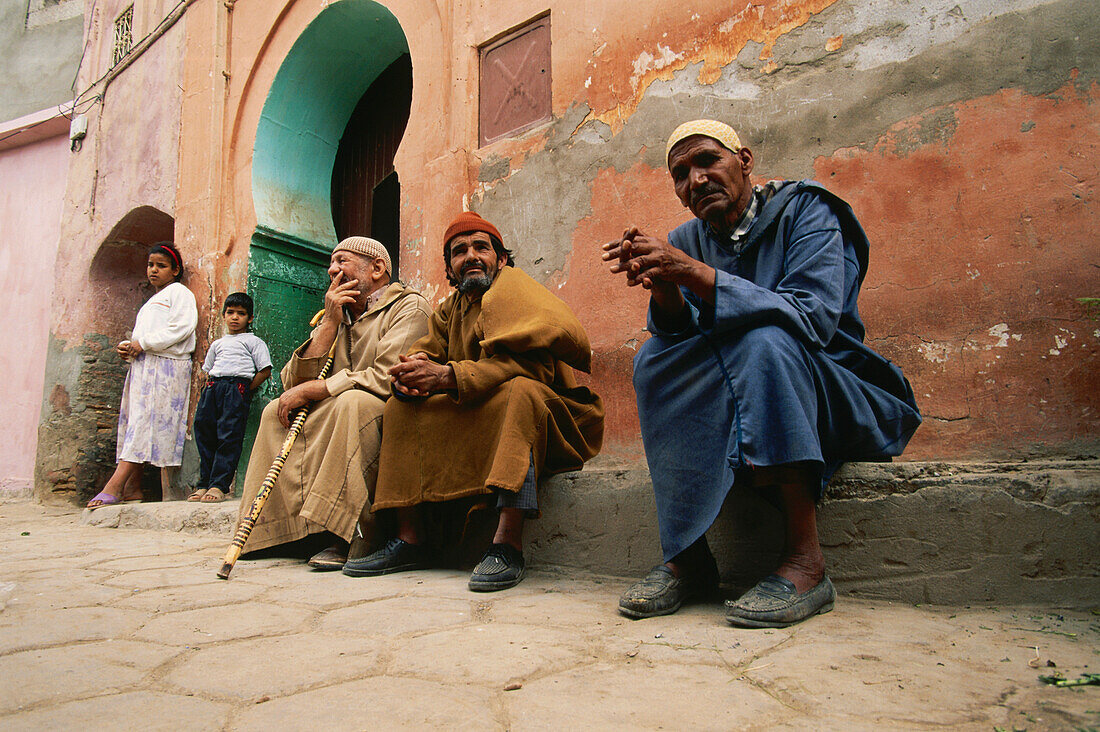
<point x="106" y="499"/>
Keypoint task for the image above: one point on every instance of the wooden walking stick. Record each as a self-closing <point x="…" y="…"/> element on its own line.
<point x="249" y="521"/>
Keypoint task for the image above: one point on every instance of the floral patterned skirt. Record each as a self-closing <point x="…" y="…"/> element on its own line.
<point x="152" y="421"/>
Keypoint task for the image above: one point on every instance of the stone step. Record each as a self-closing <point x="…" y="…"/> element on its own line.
<point x="957" y="533"/>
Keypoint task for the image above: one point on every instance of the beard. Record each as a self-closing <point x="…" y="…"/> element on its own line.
<point x="474" y="283"/>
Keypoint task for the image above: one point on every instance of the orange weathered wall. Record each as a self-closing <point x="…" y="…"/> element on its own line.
<point x="966" y="145"/>
<point x="964" y="134"/>
<point x="967" y="151"/>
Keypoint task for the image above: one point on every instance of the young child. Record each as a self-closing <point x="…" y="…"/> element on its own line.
<point x="235" y="366"/>
<point x="152" y="419"/>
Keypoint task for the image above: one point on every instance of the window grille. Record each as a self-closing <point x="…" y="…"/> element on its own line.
<point x="124" y="37"/>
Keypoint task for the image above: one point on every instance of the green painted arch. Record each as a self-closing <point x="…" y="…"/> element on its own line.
<point x="320" y="81"/>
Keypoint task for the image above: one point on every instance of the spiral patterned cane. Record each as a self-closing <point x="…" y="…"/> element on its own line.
<point x="249" y="521"/>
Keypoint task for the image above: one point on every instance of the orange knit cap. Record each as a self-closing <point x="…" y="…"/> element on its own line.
<point x="466" y="222"/>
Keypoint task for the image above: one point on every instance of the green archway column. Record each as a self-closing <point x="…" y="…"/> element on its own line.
<point x="316" y="89"/>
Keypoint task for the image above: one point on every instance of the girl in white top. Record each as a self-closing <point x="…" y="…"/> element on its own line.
<point x="152" y="420"/>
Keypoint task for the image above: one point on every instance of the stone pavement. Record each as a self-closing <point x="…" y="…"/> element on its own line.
<point x="127" y="629"/>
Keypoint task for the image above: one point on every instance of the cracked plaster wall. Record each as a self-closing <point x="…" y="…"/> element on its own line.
<point x="965" y="136"/>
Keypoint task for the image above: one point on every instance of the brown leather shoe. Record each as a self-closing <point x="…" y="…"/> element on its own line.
<point x="328" y="560"/>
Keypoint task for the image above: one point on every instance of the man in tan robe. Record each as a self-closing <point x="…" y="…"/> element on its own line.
<point x="485" y="403"/>
<point x="326" y="482"/>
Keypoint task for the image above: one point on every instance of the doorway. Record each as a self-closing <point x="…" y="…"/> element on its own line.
<point x="366" y="193"/>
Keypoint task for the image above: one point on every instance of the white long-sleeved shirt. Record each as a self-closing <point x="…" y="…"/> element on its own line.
<point x="166" y="323"/>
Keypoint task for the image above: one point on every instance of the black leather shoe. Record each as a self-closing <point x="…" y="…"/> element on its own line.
<point x="501" y="567"/>
<point x="395" y="556"/>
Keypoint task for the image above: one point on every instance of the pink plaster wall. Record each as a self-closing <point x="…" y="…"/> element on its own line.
<point x="32" y="187"/>
<point x="130" y="158"/>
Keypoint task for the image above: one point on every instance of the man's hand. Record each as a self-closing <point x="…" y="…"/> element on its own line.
<point x="298" y="396"/>
<point x="660" y="268"/>
<point x="646" y="259"/>
<point x="340" y="292"/>
<point x="417" y="375"/>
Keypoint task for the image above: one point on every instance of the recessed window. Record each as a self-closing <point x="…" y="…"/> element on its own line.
<point x="124" y="35"/>
<point x="515" y="81"/>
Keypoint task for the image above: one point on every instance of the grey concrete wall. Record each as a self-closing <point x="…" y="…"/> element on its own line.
<point x="40" y="57"/>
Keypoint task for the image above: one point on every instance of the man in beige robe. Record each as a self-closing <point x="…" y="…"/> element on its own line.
<point x="485" y="403"/>
<point x="329" y="475"/>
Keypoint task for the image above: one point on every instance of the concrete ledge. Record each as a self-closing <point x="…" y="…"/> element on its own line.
<point x="219" y="519"/>
<point x="940" y="533"/>
<point x="917" y="532"/>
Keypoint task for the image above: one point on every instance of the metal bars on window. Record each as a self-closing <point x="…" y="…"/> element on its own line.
<point x="124" y="35"/>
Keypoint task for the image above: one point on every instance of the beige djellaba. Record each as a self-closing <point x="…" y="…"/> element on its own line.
<point x="328" y="478"/>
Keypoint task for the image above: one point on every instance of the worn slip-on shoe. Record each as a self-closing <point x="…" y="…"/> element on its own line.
<point x="774" y="603"/>
<point x="501" y="567"/>
<point x="328" y="560"/>
<point x="658" y="593"/>
<point x="395" y="556"/>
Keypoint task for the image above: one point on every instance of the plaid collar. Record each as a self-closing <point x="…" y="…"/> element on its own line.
<point x="760" y="196"/>
<point x="748" y="216"/>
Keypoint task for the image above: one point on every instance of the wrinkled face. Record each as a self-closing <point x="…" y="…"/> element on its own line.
<point x="237" y="319"/>
<point x="160" y="270"/>
<point x="474" y="262"/>
<point x="710" y="180"/>
<point x="353" y="266"/>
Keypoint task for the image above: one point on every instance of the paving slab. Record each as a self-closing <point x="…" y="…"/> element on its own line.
<point x="144" y="710"/>
<point x="131" y="629"/>
<point x="76" y="671"/>
<point x="396" y="616"/>
<point x="222" y="623"/>
<point x="185" y="597"/>
<point x="38" y="628"/>
<point x="383" y="702"/>
<point x="631" y="696"/>
<point x="43" y="591"/>
<point x="281" y="666"/>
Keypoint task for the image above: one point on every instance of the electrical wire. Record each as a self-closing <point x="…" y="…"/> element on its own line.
<point x="111" y="70"/>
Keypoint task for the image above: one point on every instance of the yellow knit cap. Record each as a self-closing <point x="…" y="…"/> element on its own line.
<point x="713" y="129"/>
<point x="370" y="248"/>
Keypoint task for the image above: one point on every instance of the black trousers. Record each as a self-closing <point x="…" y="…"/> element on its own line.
<point x="219" y="425"/>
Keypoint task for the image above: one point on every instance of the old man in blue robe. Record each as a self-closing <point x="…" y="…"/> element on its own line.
<point x="756" y="370"/>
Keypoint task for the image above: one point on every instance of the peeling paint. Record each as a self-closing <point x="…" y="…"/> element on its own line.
<point x="647" y="63"/>
<point x="1000" y="332"/>
<point x="934" y="352"/>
